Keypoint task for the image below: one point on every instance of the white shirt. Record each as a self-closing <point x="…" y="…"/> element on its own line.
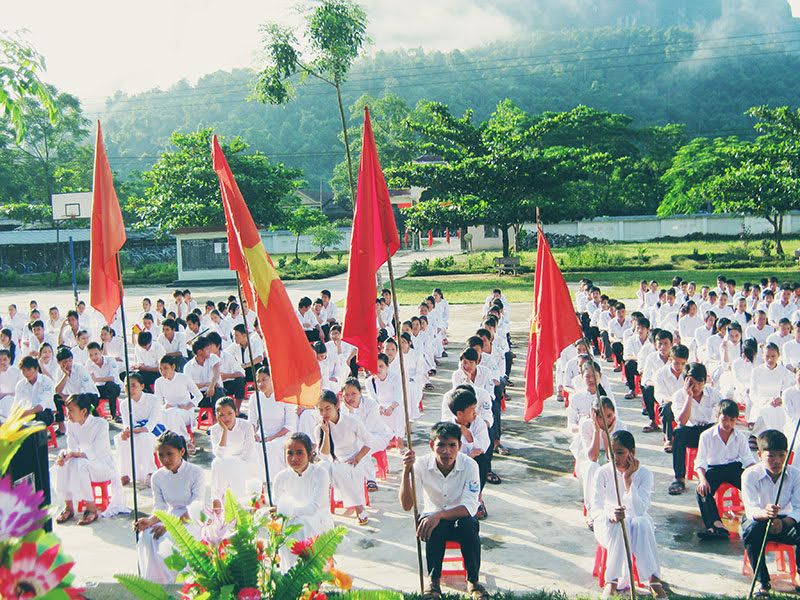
<point x="146" y="412"/>
<point x="79" y="381"/>
<point x="91" y="438"/>
<point x="702" y="411"/>
<point x="308" y="320"/>
<point x="666" y="384"/>
<point x="342" y="353"/>
<point x="106" y="368"/>
<point x="386" y="392"/>
<point x="177" y="492"/>
<point x="9" y="379"/>
<point x="688" y="326"/>
<point x="305" y="494"/>
<point x="636" y="500"/>
<point x="178" y="343"/>
<point x="149" y="357"/>
<point x="616" y="330"/>
<point x="349" y="436"/>
<point x="712" y="451"/>
<point x="583" y="441"/>
<point x="369" y="414"/>
<point x="758" y="490"/>
<point x="201" y="374"/>
<point x="330" y="312"/>
<point x="778" y="311"/>
<point x="766" y="384"/>
<point x="790" y="355"/>
<point x="242" y="354"/>
<point x="480" y="436"/>
<point x="240" y="442"/>
<point x="460" y="487"/>
<point x="275" y="415"/>
<point x="483" y="378"/>
<point x="178" y="390"/>
<point x="779" y="340"/>
<point x="760" y="335"/>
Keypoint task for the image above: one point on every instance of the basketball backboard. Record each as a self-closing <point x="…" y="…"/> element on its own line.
<point x="76" y="205"/>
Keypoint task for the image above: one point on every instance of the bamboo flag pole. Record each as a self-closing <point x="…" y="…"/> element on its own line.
<point x="130" y="402"/>
<point x="769" y="521"/>
<point x="405" y="408"/>
<point x="257" y="393"/>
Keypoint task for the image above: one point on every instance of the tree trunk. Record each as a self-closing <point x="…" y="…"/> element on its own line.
<point x="297" y="247"/>
<point x="778" y="226"/>
<point x="506" y="252"/>
<point x="346" y="146"/>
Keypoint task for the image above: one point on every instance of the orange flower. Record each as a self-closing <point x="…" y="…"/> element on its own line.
<point x="341" y="579"/>
<point x="275" y="526"/>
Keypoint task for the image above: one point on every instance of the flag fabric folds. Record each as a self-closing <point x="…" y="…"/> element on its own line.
<point x="554" y="326"/>
<point x="292" y="362"/>
<point x="107" y="237"/>
<point x="374" y="239"/>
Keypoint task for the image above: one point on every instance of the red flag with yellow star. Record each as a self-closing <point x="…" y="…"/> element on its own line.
<point x="554" y="326"/>
<point x="293" y="364"/>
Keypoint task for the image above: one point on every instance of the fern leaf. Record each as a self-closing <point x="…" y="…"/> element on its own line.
<point x="195" y="553"/>
<point x="230" y="507"/>
<point x="312" y="569"/>
<point x="142" y="588"/>
<point x="226" y="592"/>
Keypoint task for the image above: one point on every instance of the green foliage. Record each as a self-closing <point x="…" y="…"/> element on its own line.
<point x="142" y="588"/>
<point x="312" y="568"/>
<point x="300" y="220"/>
<point x="324" y="235"/>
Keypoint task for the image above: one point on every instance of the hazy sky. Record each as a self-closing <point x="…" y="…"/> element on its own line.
<point x="95" y="47"/>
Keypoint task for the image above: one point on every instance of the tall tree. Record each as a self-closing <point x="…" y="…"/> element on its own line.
<point x="301" y="220"/>
<point x="335" y="33"/>
<point x="182" y="189"/>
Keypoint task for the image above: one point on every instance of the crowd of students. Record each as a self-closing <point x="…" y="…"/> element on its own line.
<point x="718" y="373"/>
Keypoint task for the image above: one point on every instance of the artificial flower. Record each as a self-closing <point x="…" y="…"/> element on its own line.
<point x="19" y="509"/>
<point x="275" y="526"/>
<point x="303" y="547"/>
<point x="190" y="590"/>
<point x="340" y="579"/>
<point x="12" y="434"/>
<point x="249" y="593"/>
<point x="215" y="530"/>
<point x="30" y="574"/>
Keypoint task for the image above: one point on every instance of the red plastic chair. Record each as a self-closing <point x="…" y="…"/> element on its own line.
<point x="205" y="418"/>
<point x="382" y="465"/>
<point x="599" y="571"/>
<point x="637" y="385"/>
<point x="52" y="442"/>
<point x="101" y="496"/>
<point x="691" y="455"/>
<point x="103" y="408"/>
<point x="453" y="559"/>
<point x="728" y="500"/>
<point x="338" y="503"/>
<point x="783" y="554"/>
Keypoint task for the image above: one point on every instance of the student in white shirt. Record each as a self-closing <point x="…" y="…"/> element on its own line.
<point x="649" y="362"/>
<point x="37" y="338"/>
<point x="342" y="351"/>
<point x="87" y="458"/>
<point x="71" y="378"/>
<point x="791" y="350"/>
<point x="235" y="465"/>
<point x="147" y="355"/>
<point x="67" y="334"/>
<point x="179" y="396"/>
<point x="178" y="489"/>
<point x="767" y="383"/>
<point x="173" y="342"/>
<point x="617" y="327"/>
<point x="667" y="381"/>
<point x="147" y="426"/>
<point x="366" y="410"/>
<point x="448" y="481"/>
<point x="112" y="345"/>
<point x="204" y="370"/>
<point x="415" y="370"/>
<point x="582" y="401"/>
<point x="782" y="334"/>
<point x="300" y="493"/>
<point x="722" y="454"/>
<point x="640" y="336"/>
<point x="759" y="493"/>
<point x="35" y="393"/>
<point x="103" y="371"/>
<point x="240" y="351"/>
<point x="231" y="372"/>
<point x="386" y="389"/>
<point x="783" y="307"/>
<point x="344" y="447"/>
<point x="693" y="407"/>
<point x="308" y="321"/>
<point x="759" y="330"/>
<point x="279" y="420"/>
<point x="635" y="483"/>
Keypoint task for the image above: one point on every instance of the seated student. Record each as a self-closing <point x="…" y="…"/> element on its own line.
<point x="7" y="343"/>
<point x="147" y="426"/>
<point x="474" y="434"/>
<point x="147" y="357"/>
<point x="71" y="378"/>
<point x="414" y="364"/>
<point x="240" y="350"/>
<point x="179" y="396"/>
<point x="767" y="383"/>
<point x="344" y="446"/>
<point x="668" y="381"/>
<point x="386" y="389"/>
<point x="722" y="454"/>
<point x="693" y="406"/>
<point x="448" y="481"/>
<point x="617" y="327"/>
<point x="179" y="489"/>
<point x="342" y="351"/>
<point x="759" y="489"/>
<point x="112" y="345"/>
<point x="9" y="377"/>
<point x="308" y="320"/>
<point x="103" y="371"/>
<point x="231" y="373"/>
<point x="204" y="370"/>
<point x="782" y="335"/>
<point x="173" y="342"/>
<point x="582" y="401"/>
<point x="635" y="483"/>
<point x="279" y="419"/>
<point x="87" y="458"/>
<point x="790" y="355"/>
<point x="651" y="358"/>
<point x="233" y="444"/>
<point x="760" y="330"/>
<point x="301" y="493"/>
<point x="589" y="447"/>
<point x="639" y="338"/>
<point x="327" y="368"/>
<point x="80" y="352"/>
<point x="469" y="371"/>
<point x="35" y="393"/>
<point x="366" y="410"/>
<point x="791" y="404"/>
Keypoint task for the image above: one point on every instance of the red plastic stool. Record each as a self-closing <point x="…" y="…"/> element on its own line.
<point x="421" y="408"/>
<point x="599" y="571"/>
<point x="601" y="346"/>
<point x="101" y="497"/>
<point x="205" y="418"/>
<point x="52" y="442"/>
<point x="728" y="500"/>
<point x="103" y="408"/>
<point x="657" y="410"/>
<point x="338" y="503"/>
<point x="691" y="454"/>
<point x="155" y="459"/>
<point x="503" y="403"/>
<point x="565" y="394"/>
<point x="453" y="559"/>
<point x="637" y="385"/>
<point x="783" y="554"/>
<point x="382" y="465"/>
<point x="791" y="458"/>
<point x="393" y="443"/>
<point x="575" y="470"/>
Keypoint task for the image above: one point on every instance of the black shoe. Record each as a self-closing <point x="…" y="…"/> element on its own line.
<point x="510" y="383"/>
<point x="444" y="354"/>
<point x="118" y="419"/>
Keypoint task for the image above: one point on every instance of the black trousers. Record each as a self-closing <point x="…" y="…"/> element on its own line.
<point x="667" y="419"/>
<point x="649" y="399"/>
<point x="149" y="379"/>
<point x="585" y="325"/>
<point x="752" y="538"/>
<point x="465" y="531"/>
<point x="716" y="476"/>
<point x="683" y="438"/>
<point x="484" y="465"/>
<point x="353" y="367"/>
<point x="207" y="402"/>
<point x="46" y="416"/>
<point x="617" y="351"/>
<point x="250" y="372"/>
<point x="58" y="415"/>
<point x="312" y="335"/>
<point x="235" y="387"/>
<point x="606" y="345"/>
<point x="326" y="331"/>
<point x="631" y="370"/>
<point x="509" y="362"/>
<point x="110" y="391"/>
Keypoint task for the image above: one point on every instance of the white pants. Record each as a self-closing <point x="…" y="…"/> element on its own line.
<point x="768" y="417"/>
<point x="144" y="445"/>
<point x="153" y="552"/>
<point x="237" y="475"/>
<point x="586" y="471"/>
<point x="312" y="525"/>
<point x="276" y="457"/>
<point x="641" y="534"/>
<point x="396" y="422"/>
<point x="348" y="481"/>
<point x="414" y="398"/>
<point x="177" y="420"/>
<point x="307" y="423"/>
<point x="74" y="479"/>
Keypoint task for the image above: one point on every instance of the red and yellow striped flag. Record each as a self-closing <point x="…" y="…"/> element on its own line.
<point x="292" y="362"/>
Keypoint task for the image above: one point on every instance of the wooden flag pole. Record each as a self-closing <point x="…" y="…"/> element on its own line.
<point x="257" y="393"/>
<point x="405" y="408"/>
<point x="130" y="402"/>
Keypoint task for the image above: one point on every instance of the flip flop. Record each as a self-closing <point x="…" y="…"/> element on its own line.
<point x="502" y="450"/>
<point x="372" y="486"/>
<point x="491" y="477"/>
<point x="65" y="516"/>
<point x="432" y="592"/>
<point x="657" y="587"/>
<point x="88" y="518"/>
<point x="676" y="488"/>
<point x="714" y="533"/>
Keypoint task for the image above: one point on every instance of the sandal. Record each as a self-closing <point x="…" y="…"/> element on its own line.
<point x="65" y="516"/>
<point x="676" y="488"/>
<point x="482" y="512"/>
<point x="477" y="591"/>
<point x="432" y="592"/>
<point x="657" y="589"/>
<point x="762" y="591"/>
<point x="88" y="517"/>
<point x="372" y="486"/>
<point x="502" y="450"/>
<point x="493" y="478"/>
<point x="649" y="428"/>
<point x="714" y="533"/>
<point x="363" y="519"/>
<point x="668" y="447"/>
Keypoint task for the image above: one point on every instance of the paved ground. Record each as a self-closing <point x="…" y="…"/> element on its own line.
<point x="534" y="537"/>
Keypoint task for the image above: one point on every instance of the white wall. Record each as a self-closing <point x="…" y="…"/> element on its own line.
<point x="643" y="228"/>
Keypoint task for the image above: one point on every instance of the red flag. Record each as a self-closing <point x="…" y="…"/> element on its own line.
<point x="107" y="237"/>
<point x="554" y="326"/>
<point x="374" y="239"/>
<point x="293" y="364"/>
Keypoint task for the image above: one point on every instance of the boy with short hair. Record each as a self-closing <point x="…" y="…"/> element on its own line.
<point x="449" y="483"/>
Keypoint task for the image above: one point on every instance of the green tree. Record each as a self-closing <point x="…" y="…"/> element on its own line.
<point x="301" y="220"/>
<point x="325" y="235"/>
<point x="182" y="189"/>
<point x="334" y="34"/>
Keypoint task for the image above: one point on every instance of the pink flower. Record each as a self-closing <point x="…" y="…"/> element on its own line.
<point x="303" y="547"/>
<point x="249" y="594"/>
<point x="215" y="530"/>
<point x="19" y="509"/>
<point x="31" y="576"/>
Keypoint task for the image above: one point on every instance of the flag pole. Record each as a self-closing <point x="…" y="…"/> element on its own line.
<point x="769" y="521"/>
<point x="255" y="385"/>
<point x="405" y="408"/>
<point x="130" y="401"/>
